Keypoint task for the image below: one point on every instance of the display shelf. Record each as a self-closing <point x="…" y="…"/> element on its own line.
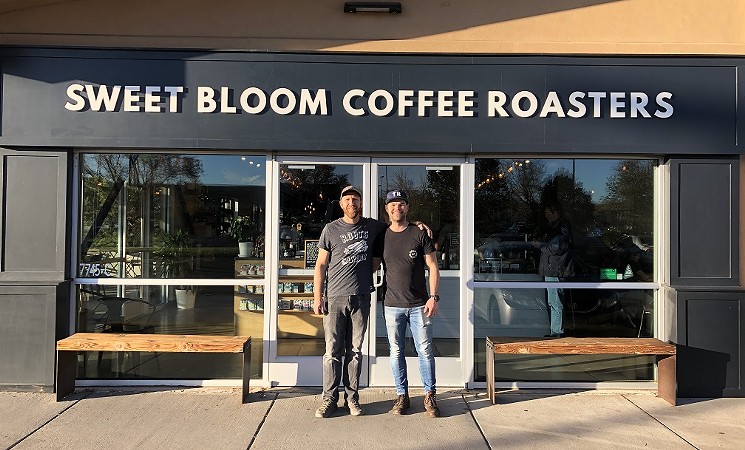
<point x="295" y="317"/>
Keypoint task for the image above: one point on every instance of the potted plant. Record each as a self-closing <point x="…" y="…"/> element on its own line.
<point x="174" y="253"/>
<point x="243" y="229"/>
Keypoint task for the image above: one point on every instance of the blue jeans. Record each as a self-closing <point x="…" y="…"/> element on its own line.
<point x="344" y="329"/>
<point x="555" y="307"/>
<point x="396" y="320"/>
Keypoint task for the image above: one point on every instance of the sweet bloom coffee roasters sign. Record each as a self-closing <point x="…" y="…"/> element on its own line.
<point x="359" y="102"/>
<point x="368" y="103"/>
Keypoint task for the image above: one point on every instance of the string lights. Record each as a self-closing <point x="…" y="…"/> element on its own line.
<point x="488" y="179"/>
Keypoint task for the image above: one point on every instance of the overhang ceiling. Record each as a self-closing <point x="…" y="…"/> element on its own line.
<point x="16" y="5"/>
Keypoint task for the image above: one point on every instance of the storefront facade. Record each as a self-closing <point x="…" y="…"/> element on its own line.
<point x="124" y="172"/>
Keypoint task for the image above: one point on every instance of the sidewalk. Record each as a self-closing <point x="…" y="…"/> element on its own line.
<point x="213" y="418"/>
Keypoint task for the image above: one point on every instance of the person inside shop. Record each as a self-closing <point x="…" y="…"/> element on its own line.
<point x="555" y="262"/>
<point x="637" y="266"/>
<point x="407" y="251"/>
<point x="443" y="245"/>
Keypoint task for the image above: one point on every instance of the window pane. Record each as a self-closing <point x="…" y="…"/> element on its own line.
<point x="586" y="313"/>
<point x="308" y="200"/>
<point x="589" y="220"/>
<point x="434" y="198"/>
<point x="166" y="216"/>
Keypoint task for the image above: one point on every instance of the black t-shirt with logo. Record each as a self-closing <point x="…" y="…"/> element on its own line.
<point x="403" y="258"/>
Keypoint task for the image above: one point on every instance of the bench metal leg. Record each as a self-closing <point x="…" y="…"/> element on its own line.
<point x="67" y="362"/>
<point x="246" y="371"/>
<point x="667" y="384"/>
<point x="490" y="375"/>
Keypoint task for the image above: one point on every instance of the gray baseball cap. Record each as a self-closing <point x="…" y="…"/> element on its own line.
<point x="350" y="190"/>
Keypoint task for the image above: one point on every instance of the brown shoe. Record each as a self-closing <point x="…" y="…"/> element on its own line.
<point x="430" y="405"/>
<point x="401" y="404"/>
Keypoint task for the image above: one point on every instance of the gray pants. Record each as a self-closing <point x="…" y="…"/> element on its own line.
<point x="344" y="328"/>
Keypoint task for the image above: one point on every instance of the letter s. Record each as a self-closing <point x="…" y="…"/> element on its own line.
<point x="667" y="110"/>
<point x="73" y="93"/>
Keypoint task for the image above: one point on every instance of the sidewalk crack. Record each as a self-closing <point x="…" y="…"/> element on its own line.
<point x="660" y="422"/>
<point x="478" y="425"/>
<point x="261" y="424"/>
<point x="48" y="421"/>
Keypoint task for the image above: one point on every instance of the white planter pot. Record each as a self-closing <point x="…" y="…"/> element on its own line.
<point x="245" y="249"/>
<point x="185" y="298"/>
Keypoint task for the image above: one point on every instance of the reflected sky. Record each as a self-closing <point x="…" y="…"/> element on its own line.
<point x="233" y="170"/>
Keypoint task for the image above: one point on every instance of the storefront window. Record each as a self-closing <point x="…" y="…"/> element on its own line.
<point x="149" y="216"/>
<point x="545" y="222"/>
<point x="594" y="218"/>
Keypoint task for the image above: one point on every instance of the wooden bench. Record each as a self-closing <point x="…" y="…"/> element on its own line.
<point x="68" y="348"/>
<point x="666" y="378"/>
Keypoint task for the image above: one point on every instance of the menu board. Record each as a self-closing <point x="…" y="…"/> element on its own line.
<point x="311" y="253"/>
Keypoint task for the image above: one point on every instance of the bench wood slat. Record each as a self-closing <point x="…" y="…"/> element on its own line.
<point x="152" y="343"/>
<point x="581" y="346"/>
<point x="68" y="347"/>
<point x="665" y="353"/>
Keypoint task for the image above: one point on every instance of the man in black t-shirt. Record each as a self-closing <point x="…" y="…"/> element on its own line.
<point x="406" y="251"/>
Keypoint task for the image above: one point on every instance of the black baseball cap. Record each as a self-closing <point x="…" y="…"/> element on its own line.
<point x="396" y="196"/>
<point x="350" y="190"/>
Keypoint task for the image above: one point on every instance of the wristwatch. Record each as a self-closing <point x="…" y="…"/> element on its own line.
<point x="435" y="296"/>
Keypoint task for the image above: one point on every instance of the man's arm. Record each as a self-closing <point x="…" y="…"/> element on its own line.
<point x="319" y="274"/>
<point x="431" y="307"/>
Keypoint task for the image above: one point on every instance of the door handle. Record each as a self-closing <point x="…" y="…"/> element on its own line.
<point x="378" y="277"/>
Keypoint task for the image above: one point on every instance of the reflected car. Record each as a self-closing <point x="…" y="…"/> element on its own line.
<point x="514" y="312"/>
<point x="506" y="252"/>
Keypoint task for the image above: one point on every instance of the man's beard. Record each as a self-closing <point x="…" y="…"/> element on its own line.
<point x="352" y="213"/>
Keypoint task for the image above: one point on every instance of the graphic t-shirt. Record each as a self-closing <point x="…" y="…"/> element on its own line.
<point x="351" y="248"/>
<point x="403" y="258"/>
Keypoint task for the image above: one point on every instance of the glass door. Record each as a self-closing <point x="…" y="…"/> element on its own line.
<point x="434" y="191"/>
<point x="307" y="198"/>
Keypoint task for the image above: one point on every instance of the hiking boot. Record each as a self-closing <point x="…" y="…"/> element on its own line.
<point x="354" y="407"/>
<point x="401" y="404"/>
<point x="430" y="405"/>
<point x="327" y="408"/>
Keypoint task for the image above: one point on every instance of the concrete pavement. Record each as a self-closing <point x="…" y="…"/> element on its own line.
<point x="213" y="418"/>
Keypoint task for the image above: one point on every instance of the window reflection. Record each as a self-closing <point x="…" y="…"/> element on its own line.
<point x="608" y="204"/>
<point x="170" y="216"/>
<point x="587" y="313"/>
<point x="434" y="198"/>
<point x="309" y="199"/>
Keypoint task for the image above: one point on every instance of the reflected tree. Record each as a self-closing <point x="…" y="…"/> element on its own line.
<point x="105" y="177"/>
<point x="576" y="201"/>
<point x="630" y="197"/>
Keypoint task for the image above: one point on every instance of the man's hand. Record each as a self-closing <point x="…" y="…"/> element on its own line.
<point x="430" y="308"/>
<point x="318" y="306"/>
<point x="423" y="226"/>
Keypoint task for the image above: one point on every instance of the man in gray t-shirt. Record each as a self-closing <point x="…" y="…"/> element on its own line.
<point x="348" y="249"/>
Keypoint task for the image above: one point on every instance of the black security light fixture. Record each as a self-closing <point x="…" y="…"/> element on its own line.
<point x="373" y="7"/>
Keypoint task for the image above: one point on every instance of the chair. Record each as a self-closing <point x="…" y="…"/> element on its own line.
<point x="112" y="320"/>
<point x="108" y="314"/>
